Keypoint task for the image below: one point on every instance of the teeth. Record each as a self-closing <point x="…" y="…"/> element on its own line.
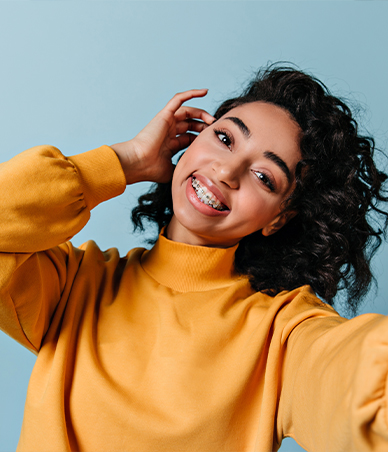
<point x="206" y="196"/>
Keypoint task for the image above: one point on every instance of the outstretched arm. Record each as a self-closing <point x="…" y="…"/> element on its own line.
<point x="334" y="392"/>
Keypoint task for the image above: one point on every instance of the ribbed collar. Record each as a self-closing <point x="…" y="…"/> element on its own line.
<point x="188" y="268"/>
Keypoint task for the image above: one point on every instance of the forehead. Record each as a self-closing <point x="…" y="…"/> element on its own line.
<point x="266" y="117"/>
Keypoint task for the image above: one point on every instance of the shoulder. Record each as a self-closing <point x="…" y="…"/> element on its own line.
<point x="289" y="309"/>
<point x="290" y="303"/>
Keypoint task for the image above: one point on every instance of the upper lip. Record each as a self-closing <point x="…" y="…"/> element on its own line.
<point x="211" y="187"/>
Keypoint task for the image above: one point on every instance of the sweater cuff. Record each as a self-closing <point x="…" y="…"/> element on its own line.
<point x="101" y="174"/>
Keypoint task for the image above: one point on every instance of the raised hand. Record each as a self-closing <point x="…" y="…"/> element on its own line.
<point x="147" y="157"/>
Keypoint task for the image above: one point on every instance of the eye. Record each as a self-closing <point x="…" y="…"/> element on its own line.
<point x="224" y="137"/>
<point x="265" y="179"/>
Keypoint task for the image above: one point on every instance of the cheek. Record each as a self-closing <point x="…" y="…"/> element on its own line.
<point x="179" y="179"/>
<point x="175" y="183"/>
<point x="255" y="211"/>
<point x="180" y="168"/>
<point x="194" y="158"/>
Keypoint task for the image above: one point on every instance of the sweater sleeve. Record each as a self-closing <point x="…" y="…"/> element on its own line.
<point x="334" y="390"/>
<point x="46" y="198"/>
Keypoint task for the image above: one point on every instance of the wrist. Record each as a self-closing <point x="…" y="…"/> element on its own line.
<point x="134" y="169"/>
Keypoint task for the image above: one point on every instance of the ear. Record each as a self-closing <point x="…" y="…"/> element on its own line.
<point x="278" y="222"/>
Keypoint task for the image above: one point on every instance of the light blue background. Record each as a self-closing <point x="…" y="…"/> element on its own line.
<point x="81" y="74"/>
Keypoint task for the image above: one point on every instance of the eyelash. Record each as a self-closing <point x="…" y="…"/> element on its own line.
<point x="264" y="178"/>
<point x="229" y="137"/>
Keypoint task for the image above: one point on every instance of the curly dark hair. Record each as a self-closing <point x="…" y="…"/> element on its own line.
<point x="330" y="242"/>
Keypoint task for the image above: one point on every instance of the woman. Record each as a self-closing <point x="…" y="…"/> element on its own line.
<point x="212" y="340"/>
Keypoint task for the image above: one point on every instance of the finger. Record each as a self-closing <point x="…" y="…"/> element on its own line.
<point x="184" y="140"/>
<point x="180" y="98"/>
<point x="192" y="112"/>
<point x="190" y="125"/>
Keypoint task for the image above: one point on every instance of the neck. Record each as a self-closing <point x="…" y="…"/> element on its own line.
<point x="184" y="267"/>
<point x="177" y="233"/>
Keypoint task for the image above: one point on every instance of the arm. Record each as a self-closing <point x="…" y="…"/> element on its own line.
<point x="334" y="393"/>
<point x="46" y="198"/>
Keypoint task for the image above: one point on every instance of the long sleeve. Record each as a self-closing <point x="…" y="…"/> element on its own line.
<point x="46" y="198"/>
<point x="334" y="395"/>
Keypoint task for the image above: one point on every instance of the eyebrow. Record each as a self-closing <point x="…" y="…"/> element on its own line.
<point x="268" y="154"/>
<point x="279" y="162"/>
<point x="241" y="125"/>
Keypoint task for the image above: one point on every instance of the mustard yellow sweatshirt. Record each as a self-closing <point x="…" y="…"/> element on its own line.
<point x="168" y="349"/>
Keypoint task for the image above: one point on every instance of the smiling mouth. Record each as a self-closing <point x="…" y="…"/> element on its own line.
<point x="206" y="196"/>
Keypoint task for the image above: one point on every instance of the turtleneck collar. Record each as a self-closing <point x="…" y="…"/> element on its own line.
<point x="189" y="268"/>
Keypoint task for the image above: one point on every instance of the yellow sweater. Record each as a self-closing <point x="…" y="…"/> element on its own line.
<point x="168" y="349"/>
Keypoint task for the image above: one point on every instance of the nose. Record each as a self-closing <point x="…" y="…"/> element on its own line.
<point x="228" y="172"/>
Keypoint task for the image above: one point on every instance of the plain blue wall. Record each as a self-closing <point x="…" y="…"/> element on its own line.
<point x="85" y="73"/>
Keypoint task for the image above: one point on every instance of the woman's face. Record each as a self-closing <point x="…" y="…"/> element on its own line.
<point x="233" y="178"/>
